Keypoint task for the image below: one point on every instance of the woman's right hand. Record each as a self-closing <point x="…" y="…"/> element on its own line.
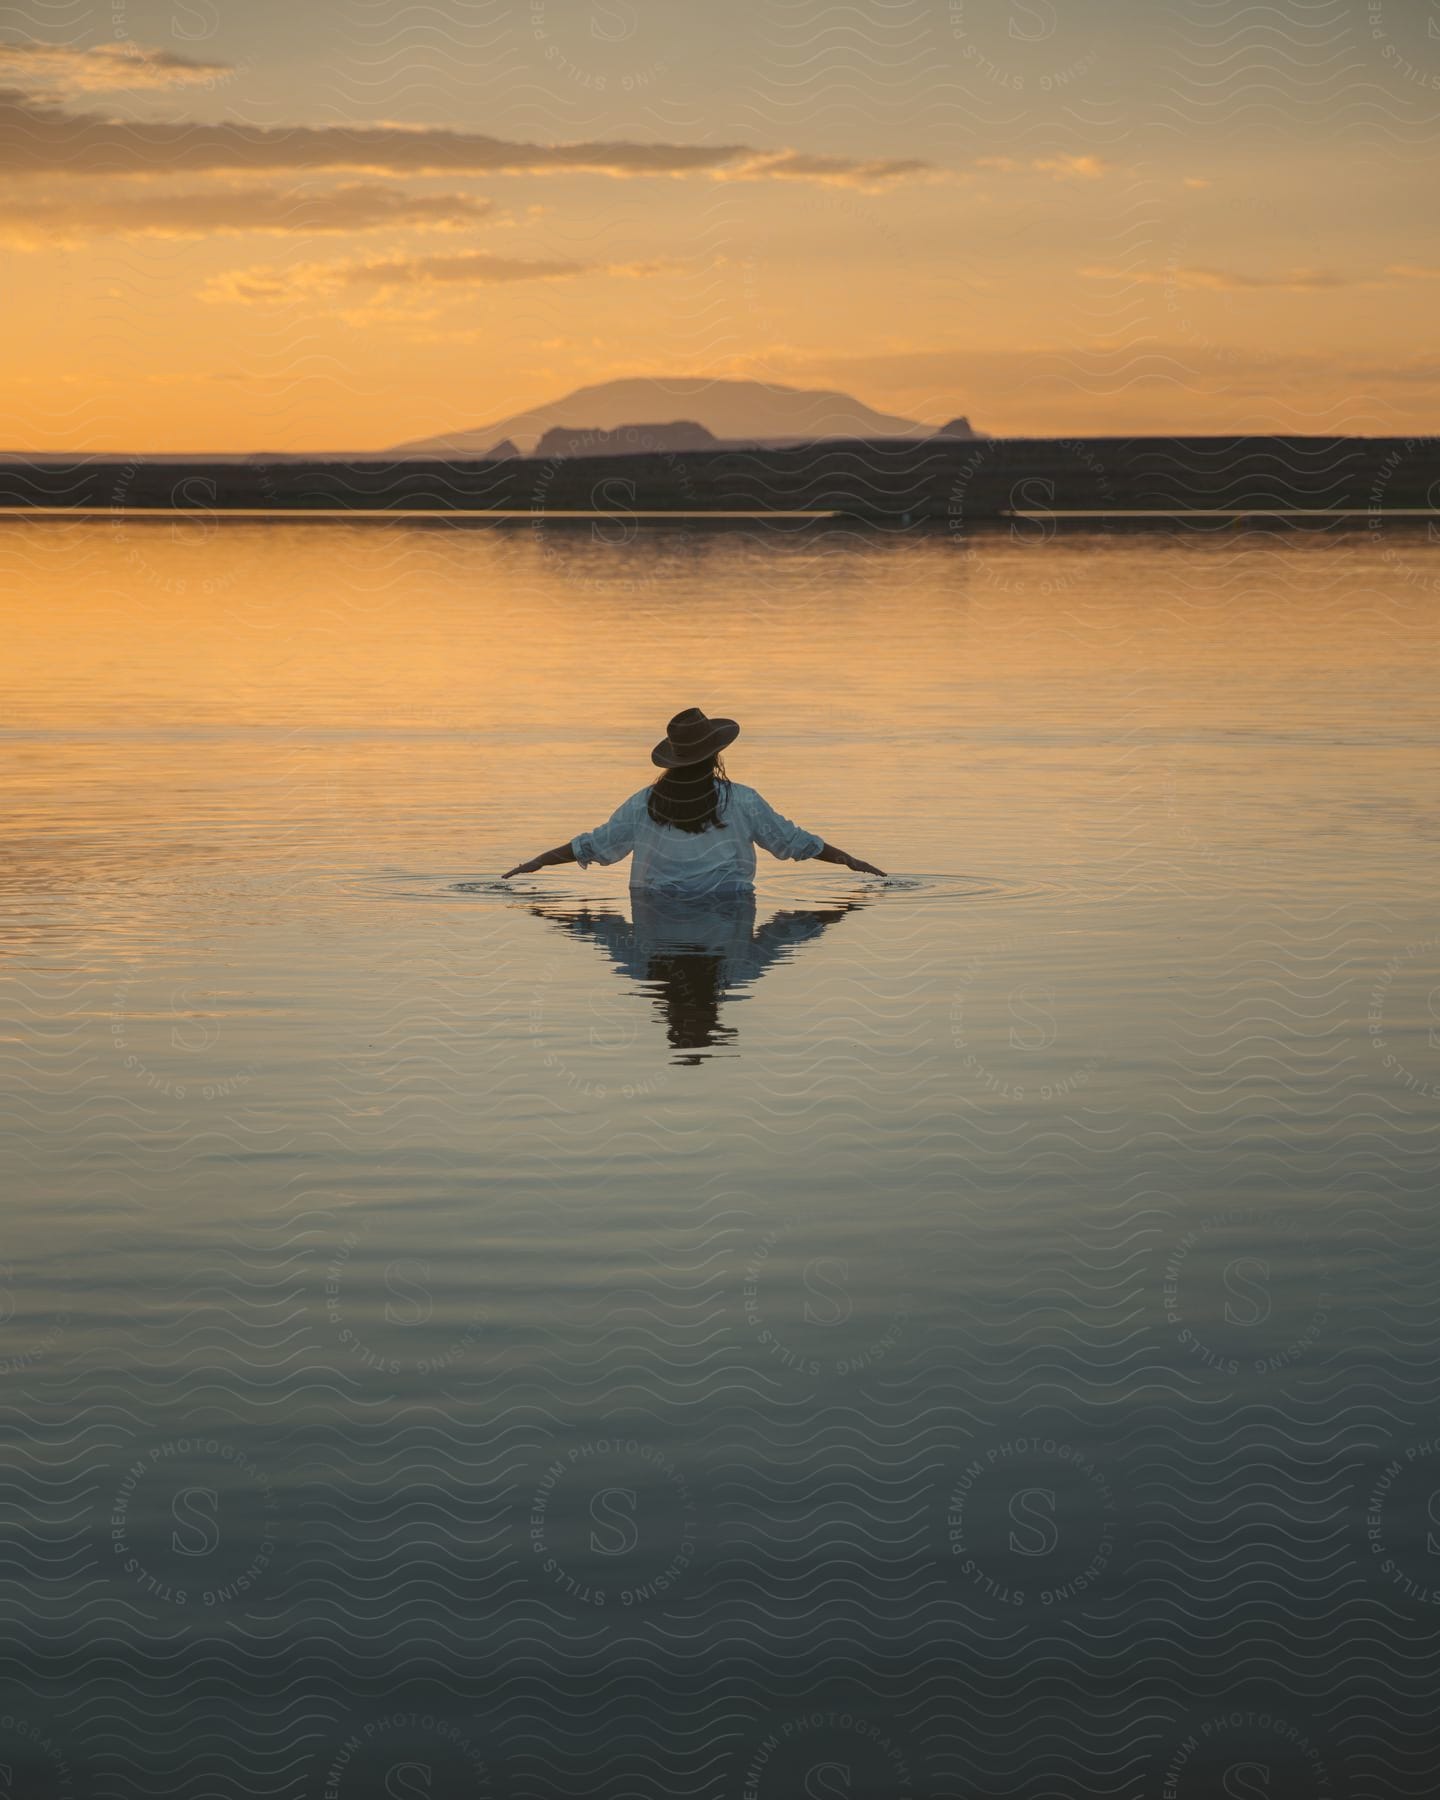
<point x="862" y="868"/>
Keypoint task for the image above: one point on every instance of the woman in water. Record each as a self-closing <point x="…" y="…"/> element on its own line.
<point x="693" y="831"/>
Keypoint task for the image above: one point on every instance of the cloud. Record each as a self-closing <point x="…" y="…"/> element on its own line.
<point x="1413" y="271"/>
<point x="1421" y="373"/>
<point x="38" y="136"/>
<point x="386" y="275"/>
<point x="1062" y="168"/>
<point x="1090" y="390"/>
<point x="355" y="206"/>
<point x="935" y="383"/>
<point x="104" y="69"/>
<point x="870" y="176"/>
<point x="1072" y="168"/>
<point x="1290" y="281"/>
<point x="642" y="271"/>
<point x="1228" y="281"/>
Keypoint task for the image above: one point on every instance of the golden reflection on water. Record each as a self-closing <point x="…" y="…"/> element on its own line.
<point x="176" y="692"/>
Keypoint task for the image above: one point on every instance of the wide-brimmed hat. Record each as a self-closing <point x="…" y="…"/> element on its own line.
<point x="690" y="738"/>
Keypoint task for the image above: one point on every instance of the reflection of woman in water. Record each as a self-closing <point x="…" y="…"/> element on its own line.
<point x="693" y="831"/>
<point x="693" y="953"/>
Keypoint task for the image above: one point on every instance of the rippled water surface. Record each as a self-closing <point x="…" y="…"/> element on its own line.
<point x="968" y="1334"/>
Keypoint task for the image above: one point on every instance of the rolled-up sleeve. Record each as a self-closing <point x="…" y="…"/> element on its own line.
<point x="607" y="843"/>
<point x="782" y="837"/>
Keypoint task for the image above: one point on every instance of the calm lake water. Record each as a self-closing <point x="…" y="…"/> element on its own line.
<point x="966" y="1335"/>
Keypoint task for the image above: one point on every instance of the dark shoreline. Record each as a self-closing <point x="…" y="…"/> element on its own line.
<point x="892" y="481"/>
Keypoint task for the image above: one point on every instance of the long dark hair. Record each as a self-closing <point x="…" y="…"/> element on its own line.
<point x="692" y="797"/>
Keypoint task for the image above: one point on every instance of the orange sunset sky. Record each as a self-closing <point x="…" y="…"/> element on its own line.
<point x="267" y="226"/>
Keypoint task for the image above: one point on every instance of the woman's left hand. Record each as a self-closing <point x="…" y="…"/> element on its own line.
<point x="522" y="869"/>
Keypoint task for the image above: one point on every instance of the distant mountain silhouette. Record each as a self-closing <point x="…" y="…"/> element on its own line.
<point x="626" y="440"/>
<point x="501" y="452"/>
<point x="960" y="428"/>
<point x="744" y="411"/>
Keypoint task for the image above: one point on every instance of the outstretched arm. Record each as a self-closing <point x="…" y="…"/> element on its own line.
<point x="607" y="843"/>
<point x="562" y="853"/>
<point x="786" y="840"/>
<point x="830" y="854"/>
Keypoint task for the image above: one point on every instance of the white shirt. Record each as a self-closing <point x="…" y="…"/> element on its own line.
<point x="716" y="860"/>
